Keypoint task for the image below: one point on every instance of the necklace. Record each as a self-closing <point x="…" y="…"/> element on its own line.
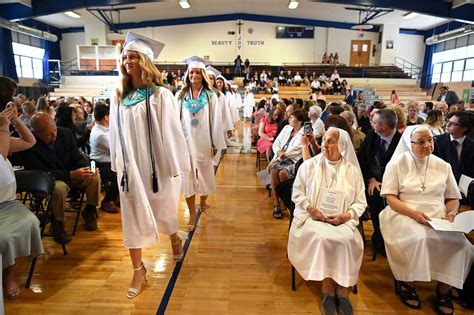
<point x="418" y="172"/>
<point x="334" y="176"/>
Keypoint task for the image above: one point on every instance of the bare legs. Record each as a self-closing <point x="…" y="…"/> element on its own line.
<point x="277" y="176"/>
<point x="190" y="201"/>
<point x="9" y="281"/>
<point x="139" y="272"/>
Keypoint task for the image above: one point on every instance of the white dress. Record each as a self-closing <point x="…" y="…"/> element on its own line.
<point x="318" y="128"/>
<point x="320" y="250"/>
<point x="145" y="213"/>
<point x="415" y="251"/>
<point x="200" y="140"/>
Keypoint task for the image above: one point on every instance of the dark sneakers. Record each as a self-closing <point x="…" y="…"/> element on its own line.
<point x="66" y="238"/>
<point x="89" y="214"/>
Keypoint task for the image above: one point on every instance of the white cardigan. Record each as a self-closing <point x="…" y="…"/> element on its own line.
<point x="294" y="150"/>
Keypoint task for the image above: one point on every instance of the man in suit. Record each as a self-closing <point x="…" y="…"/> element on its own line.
<point x="447" y="96"/>
<point x="456" y="148"/>
<point x="56" y="152"/>
<point x="374" y="154"/>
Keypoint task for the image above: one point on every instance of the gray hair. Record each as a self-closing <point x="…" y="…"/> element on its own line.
<point x="315" y="110"/>
<point x="387" y="116"/>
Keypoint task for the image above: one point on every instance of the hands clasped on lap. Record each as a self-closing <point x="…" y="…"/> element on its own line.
<point x="317" y="215"/>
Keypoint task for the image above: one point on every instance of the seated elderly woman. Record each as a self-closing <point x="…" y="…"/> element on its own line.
<point x="317" y="124"/>
<point x="324" y="243"/>
<point x="287" y="151"/>
<point x="19" y="228"/>
<point x="419" y="186"/>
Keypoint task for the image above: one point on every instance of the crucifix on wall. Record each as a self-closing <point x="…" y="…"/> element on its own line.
<point x="239" y="40"/>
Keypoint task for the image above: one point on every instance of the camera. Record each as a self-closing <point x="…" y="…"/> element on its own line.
<point x="93" y="167"/>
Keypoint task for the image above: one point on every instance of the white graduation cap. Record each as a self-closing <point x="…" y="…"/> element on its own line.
<point x="213" y="71"/>
<point x="196" y="62"/>
<point x="144" y="45"/>
<point x="220" y="76"/>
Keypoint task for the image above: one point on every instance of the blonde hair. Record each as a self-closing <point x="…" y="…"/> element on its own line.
<point x="151" y="76"/>
<point x="205" y="83"/>
<point x="402" y="118"/>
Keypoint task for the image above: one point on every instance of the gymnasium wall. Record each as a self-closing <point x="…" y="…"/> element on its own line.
<point x="258" y="43"/>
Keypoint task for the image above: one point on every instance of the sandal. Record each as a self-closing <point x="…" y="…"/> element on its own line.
<point x="407" y="294"/>
<point x="277" y="214"/>
<point x="13" y="292"/>
<point x="443" y="300"/>
<point x="133" y="292"/>
<point x="181" y="236"/>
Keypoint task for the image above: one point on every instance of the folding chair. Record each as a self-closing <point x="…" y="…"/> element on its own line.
<point x="36" y="190"/>
<point x="76" y="206"/>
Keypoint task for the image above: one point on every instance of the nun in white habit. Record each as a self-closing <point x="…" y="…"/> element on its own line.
<point x="146" y="145"/>
<point x="201" y="121"/>
<point x="418" y="186"/>
<point x="324" y="243"/>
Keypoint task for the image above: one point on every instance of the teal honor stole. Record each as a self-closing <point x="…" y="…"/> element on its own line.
<point x="195" y="105"/>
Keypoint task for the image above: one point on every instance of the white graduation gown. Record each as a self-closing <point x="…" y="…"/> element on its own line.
<point x="145" y="213"/>
<point x="227" y="123"/>
<point x="415" y="251"/>
<point x="320" y="250"/>
<point x="232" y="102"/>
<point x="249" y="104"/>
<point x="200" y="140"/>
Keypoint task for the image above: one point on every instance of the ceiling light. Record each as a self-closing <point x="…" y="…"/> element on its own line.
<point x="410" y="15"/>
<point x="293" y="4"/>
<point x="184" y="4"/>
<point x="462" y="31"/>
<point x="362" y="27"/>
<point x="72" y="14"/>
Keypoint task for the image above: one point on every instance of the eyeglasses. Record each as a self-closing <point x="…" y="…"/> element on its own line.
<point x="423" y="142"/>
<point x="452" y="123"/>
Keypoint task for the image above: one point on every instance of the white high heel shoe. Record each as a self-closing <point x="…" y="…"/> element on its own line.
<point x="181" y="236"/>
<point x="132" y="292"/>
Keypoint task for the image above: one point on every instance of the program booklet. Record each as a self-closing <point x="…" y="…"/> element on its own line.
<point x="463" y="222"/>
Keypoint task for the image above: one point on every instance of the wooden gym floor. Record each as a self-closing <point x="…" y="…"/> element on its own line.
<point x="236" y="264"/>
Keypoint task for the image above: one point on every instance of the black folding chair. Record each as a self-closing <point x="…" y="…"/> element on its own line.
<point x="35" y="188"/>
<point x="76" y="200"/>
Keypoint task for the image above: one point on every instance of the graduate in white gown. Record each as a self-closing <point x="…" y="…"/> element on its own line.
<point x="201" y="121"/>
<point x="146" y="146"/>
<point x="418" y="186"/>
<point x="227" y="123"/>
<point x="249" y="103"/>
<point x="222" y="86"/>
<point x="324" y="244"/>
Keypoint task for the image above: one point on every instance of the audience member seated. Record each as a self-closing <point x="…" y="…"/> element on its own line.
<point x="288" y="112"/>
<point x="443" y="107"/>
<point x="360" y="99"/>
<point x="357" y="136"/>
<point x="267" y="130"/>
<point x="88" y="108"/>
<point x="447" y="96"/>
<point x="348" y="98"/>
<point x="338" y="122"/>
<point x="20" y="233"/>
<point x="257" y="117"/>
<point x="413" y="119"/>
<point x="435" y="122"/>
<point x="56" y="152"/>
<point x="335" y="75"/>
<point x="316" y="123"/>
<point x="336" y="59"/>
<point x="100" y="153"/>
<point x="401" y="118"/>
<point x="263" y="76"/>
<point x="419" y="186"/>
<point x="66" y="118"/>
<point x="456" y="147"/>
<point x="315" y="85"/>
<point x="331" y="59"/>
<point x="363" y="121"/>
<point x="28" y="109"/>
<point x="297" y="79"/>
<point x="335" y="109"/>
<point x="325" y="58"/>
<point x="282" y="78"/>
<point x="374" y="155"/>
<point x="336" y="87"/>
<point x="324" y="244"/>
<point x="289" y="78"/>
<point x="287" y="151"/>
<point x="322" y="78"/>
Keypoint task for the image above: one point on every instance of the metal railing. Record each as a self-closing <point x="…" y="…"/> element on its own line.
<point x="409" y="68"/>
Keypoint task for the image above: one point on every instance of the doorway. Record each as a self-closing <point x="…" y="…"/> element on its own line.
<point x="360" y="53"/>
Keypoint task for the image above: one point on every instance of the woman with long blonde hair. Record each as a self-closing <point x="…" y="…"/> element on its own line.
<point x="146" y="145"/>
<point x="201" y="121"/>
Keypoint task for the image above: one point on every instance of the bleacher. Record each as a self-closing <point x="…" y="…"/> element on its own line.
<point x="405" y="93"/>
<point x="302" y="92"/>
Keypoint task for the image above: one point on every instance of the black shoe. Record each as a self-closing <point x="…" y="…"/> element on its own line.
<point x="109" y="207"/>
<point x="344" y="306"/>
<point x="89" y="214"/>
<point x="443" y="300"/>
<point x="328" y="304"/>
<point x="66" y="238"/>
<point x="407" y="294"/>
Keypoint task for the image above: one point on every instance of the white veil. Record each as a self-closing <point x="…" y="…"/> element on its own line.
<point x="405" y="142"/>
<point x="345" y="147"/>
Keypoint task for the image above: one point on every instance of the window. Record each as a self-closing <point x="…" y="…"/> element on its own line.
<point x="28" y="60"/>
<point x="453" y="60"/>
